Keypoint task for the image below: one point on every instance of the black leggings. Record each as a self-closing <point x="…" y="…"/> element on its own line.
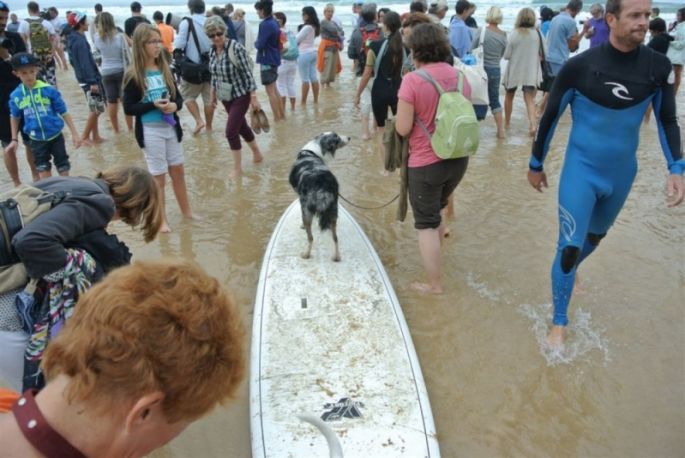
<point x="383" y="95"/>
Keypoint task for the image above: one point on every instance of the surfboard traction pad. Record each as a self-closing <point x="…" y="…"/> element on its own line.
<point x="336" y="350"/>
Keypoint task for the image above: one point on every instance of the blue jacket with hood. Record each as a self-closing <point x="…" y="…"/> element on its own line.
<point x="41" y="108"/>
<point x="82" y="60"/>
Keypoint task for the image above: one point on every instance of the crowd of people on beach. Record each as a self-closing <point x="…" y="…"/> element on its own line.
<point x="156" y="362"/>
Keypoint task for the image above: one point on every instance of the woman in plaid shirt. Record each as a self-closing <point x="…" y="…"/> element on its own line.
<point x="233" y="85"/>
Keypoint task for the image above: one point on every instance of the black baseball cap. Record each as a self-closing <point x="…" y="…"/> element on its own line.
<point x="24" y="59"/>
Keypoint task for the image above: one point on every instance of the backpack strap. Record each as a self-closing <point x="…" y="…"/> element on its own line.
<point x="426" y="76"/>
<point x="381" y="53"/>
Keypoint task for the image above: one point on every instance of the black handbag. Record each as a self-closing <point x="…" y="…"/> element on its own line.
<point x="192" y="72"/>
<point x="547" y="76"/>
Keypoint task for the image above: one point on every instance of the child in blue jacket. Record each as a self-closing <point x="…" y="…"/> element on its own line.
<point x="44" y="113"/>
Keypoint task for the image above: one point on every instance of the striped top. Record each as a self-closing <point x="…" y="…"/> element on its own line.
<point x="223" y="69"/>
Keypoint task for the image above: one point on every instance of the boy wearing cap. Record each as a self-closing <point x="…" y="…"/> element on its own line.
<point x="44" y="114"/>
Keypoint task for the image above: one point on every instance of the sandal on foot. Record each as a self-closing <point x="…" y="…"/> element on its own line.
<point x="263" y="120"/>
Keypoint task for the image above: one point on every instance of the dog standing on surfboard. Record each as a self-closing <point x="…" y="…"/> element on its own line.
<point x="317" y="187"/>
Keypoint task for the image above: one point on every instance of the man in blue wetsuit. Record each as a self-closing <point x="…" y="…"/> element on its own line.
<point x="609" y="88"/>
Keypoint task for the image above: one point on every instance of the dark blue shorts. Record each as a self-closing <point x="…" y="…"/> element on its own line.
<point x="43" y="151"/>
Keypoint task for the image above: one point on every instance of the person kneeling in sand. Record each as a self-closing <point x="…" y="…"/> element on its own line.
<point x="151" y="349"/>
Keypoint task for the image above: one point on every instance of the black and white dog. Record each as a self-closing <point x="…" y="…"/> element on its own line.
<point x="317" y="187"/>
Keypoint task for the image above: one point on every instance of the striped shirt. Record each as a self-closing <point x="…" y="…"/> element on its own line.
<point x="222" y="69"/>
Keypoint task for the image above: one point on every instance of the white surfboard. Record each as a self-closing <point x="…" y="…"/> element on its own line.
<point x="329" y="340"/>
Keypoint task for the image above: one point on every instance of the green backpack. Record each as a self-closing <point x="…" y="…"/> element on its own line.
<point x="456" y="127"/>
<point x="40" y="39"/>
<point x="18" y="207"/>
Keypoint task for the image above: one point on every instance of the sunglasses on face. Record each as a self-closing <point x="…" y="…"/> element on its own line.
<point x="215" y="35"/>
<point x="153" y="42"/>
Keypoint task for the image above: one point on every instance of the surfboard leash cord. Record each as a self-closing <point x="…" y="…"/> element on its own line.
<point x="369" y="208"/>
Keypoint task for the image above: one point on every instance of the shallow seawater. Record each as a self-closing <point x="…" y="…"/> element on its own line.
<point x="616" y="390"/>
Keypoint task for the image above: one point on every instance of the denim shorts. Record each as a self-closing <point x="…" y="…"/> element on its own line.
<point x="55" y="149"/>
<point x="494" y="77"/>
<point x="269" y="74"/>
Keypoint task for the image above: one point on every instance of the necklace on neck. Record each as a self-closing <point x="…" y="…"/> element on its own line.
<point x="38" y="431"/>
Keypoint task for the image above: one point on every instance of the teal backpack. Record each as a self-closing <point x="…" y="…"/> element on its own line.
<point x="292" y="52"/>
<point x="456" y="127"/>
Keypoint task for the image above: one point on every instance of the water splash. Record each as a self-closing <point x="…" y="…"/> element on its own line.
<point x="582" y="340"/>
<point x="482" y="288"/>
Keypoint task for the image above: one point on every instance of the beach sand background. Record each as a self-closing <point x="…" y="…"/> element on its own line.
<point x="618" y="391"/>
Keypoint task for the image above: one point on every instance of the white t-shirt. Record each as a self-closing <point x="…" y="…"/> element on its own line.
<point x="24" y="29"/>
<point x="58" y="23"/>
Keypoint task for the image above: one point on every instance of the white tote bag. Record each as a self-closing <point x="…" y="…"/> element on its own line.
<point x="475" y="74"/>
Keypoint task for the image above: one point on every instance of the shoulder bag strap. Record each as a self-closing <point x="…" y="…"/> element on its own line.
<point x="191" y="29"/>
<point x="230" y="52"/>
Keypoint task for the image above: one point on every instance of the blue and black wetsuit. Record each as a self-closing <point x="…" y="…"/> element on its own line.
<point x="609" y="92"/>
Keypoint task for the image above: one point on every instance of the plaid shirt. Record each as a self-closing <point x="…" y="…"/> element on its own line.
<point x="222" y="69"/>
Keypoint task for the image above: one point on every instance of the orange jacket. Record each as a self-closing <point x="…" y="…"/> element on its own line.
<point x="322" y="49"/>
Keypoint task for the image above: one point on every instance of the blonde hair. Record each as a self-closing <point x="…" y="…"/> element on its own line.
<point x="137" y="198"/>
<point x="329" y="7"/>
<point x="525" y="19"/>
<point x="153" y="326"/>
<point x="494" y="15"/>
<point x="239" y="13"/>
<point x="105" y="26"/>
<point x="136" y="70"/>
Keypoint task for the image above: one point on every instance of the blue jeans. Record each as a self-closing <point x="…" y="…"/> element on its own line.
<point x="306" y="64"/>
<point x="494" y="77"/>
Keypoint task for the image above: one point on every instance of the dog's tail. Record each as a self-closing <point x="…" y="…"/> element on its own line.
<point x="327" y="209"/>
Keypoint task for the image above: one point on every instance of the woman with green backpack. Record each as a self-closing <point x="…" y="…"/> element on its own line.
<point x="438" y="150"/>
<point x="287" y="71"/>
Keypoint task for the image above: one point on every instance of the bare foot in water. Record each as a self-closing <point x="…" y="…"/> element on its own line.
<point x="425" y="288"/>
<point x="235" y="174"/>
<point x="193" y="217"/>
<point x="99" y="140"/>
<point x="86" y="142"/>
<point x="257" y="158"/>
<point x="385" y="173"/>
<point x="165" y="229"/>
<point x="198" y="128"/>
<point x="556" y="337"/>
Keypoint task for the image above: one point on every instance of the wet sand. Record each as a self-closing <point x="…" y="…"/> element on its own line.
<point x="617" y="392"/>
